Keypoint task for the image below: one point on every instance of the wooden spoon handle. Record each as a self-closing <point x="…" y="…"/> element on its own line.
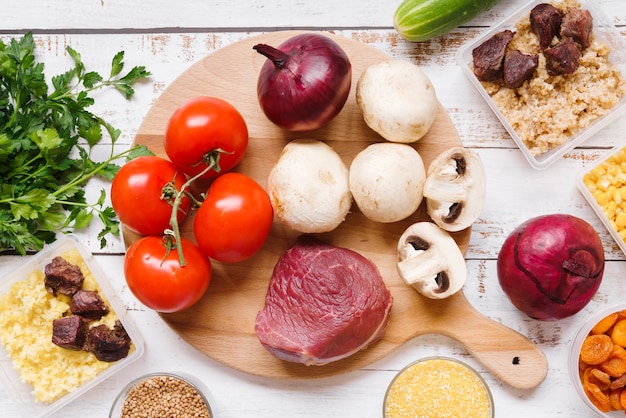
<point x="509" y="355"/>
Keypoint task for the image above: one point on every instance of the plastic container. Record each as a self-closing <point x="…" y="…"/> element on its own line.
<point x="160" y="384"/>
<point x="574" y="355"/>
<point x="23" y="392"/>
<point x="603" y="30"/>
<point x="592" y="200"/>
<point x="438" y="382"/>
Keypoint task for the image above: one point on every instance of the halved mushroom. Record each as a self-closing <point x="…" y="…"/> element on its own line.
<point x="455" y="188"/>
<point x="431" y="261"/>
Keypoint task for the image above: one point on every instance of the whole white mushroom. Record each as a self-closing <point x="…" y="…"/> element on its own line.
<point x="308" y="187"/>
<point x="387" y="181"/>
<point x="397" y="100"/>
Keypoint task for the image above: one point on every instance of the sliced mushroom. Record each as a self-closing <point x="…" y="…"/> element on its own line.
<point x="430" y="261"/>
<point x="455" y="188"/>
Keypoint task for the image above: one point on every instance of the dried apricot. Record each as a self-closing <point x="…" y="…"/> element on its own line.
<point x="615" y="366"/>
<point x="622" y="399"/>
<point x="614" y="396"/>
<point x="598" y="398"/>
<point x="618" y="334"/>
<point x="596" y="349"/>
<point x="600" y="378"/>
<point x="605" y="324"/>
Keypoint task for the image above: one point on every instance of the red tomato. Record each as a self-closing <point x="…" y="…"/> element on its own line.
<point x="234" y="219"/>
<point x="159" y="281"/>
<point x="136" y="192"/>
<point x="201" y="126"/>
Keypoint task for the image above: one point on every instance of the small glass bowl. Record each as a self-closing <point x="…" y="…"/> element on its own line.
<point x="574" y="356"/>
<point x="157" y="384"/>
<point x="618" y="184"/>
<point x="23" y="392"/>
<point x="418" y="381"/>
<point x="603" y="30"/>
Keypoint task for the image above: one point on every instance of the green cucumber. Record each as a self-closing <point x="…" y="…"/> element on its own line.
<point x="421" y="20"/>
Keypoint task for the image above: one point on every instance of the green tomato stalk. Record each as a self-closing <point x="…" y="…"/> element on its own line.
<point x="212" y="159"/>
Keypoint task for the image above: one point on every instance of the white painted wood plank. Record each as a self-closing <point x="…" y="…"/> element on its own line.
<point x="515" y="191"/>
<point x="216" y="15"/>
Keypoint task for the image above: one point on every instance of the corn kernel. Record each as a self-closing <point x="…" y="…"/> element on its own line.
<point x="601" y="197"/>
<point x="620" y="220"/>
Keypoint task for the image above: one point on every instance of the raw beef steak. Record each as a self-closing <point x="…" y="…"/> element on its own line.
<point x="323" y="304"/>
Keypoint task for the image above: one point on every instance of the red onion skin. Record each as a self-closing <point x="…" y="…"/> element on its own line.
<point x="551" y="266"/>
<point x="304" y="83"/>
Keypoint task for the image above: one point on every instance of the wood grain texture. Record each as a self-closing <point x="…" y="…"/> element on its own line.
<point x="221" y="325"/>
<point x="217" y="15"/>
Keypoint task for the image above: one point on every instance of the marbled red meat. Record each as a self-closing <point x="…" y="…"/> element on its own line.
<point x="324" y="303"/>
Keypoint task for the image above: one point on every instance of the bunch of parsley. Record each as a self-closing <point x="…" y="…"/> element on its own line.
<point x="46" y="140"/>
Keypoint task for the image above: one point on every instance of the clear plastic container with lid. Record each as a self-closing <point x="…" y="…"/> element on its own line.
<point x="23" y="392"/>
<point x="604" y="31"/>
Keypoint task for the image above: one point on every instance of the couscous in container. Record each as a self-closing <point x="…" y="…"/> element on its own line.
<point x="43" y="376"/>
<point x="547" y="116"/>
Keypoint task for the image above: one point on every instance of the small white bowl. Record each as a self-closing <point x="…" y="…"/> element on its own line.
<point x="23" y="392"/>
<point x="574" y="356"/>
<point x="195" y="384"/>
<point x="445" y="387"/>
<point x="603" y="30"/>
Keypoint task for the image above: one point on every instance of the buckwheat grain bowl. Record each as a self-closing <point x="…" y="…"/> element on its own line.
<point x="54" y="337"/>
<point x="163" y="395"/>
<point x="551" y="89"/>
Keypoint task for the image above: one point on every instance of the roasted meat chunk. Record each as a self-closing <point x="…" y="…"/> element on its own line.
<point x="488" y="57"/>
<point x="577" y="24"/>
<point x="70" y="332"/>
<point x="62" y="277"/>
<point x="563" y="58"/>
<point x="108" y="344"/>
<point x="545" y="22"/>
<point x="88" y="304"/>
<point x="519" y="67"/>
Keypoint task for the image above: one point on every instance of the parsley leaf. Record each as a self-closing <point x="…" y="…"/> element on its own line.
<point x="47" y="135"/>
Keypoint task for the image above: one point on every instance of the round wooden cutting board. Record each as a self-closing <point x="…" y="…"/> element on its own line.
<point x="221" y="325"/>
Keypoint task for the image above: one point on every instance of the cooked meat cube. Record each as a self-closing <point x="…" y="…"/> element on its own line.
<point x="545" y="22"/>
<point x="88" y="304"/>
<point x="108" y="344"/>
<point x="563" y="58"/>
<point x="69" y="332"/>
<point x="488" y="57"/>
<point x="577" y="24"/>
<point x="62" y="277"/>
<point x="519" y="67"/>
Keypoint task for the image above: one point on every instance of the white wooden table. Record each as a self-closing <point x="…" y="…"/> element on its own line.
<point x="168" y="36"/>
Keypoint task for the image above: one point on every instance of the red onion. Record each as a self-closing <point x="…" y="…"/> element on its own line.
<point x="305" y="83"/>
<point x="551" y="266"/>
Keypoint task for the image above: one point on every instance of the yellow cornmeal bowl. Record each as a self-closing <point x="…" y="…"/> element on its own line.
<point x="438" y="387"/>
